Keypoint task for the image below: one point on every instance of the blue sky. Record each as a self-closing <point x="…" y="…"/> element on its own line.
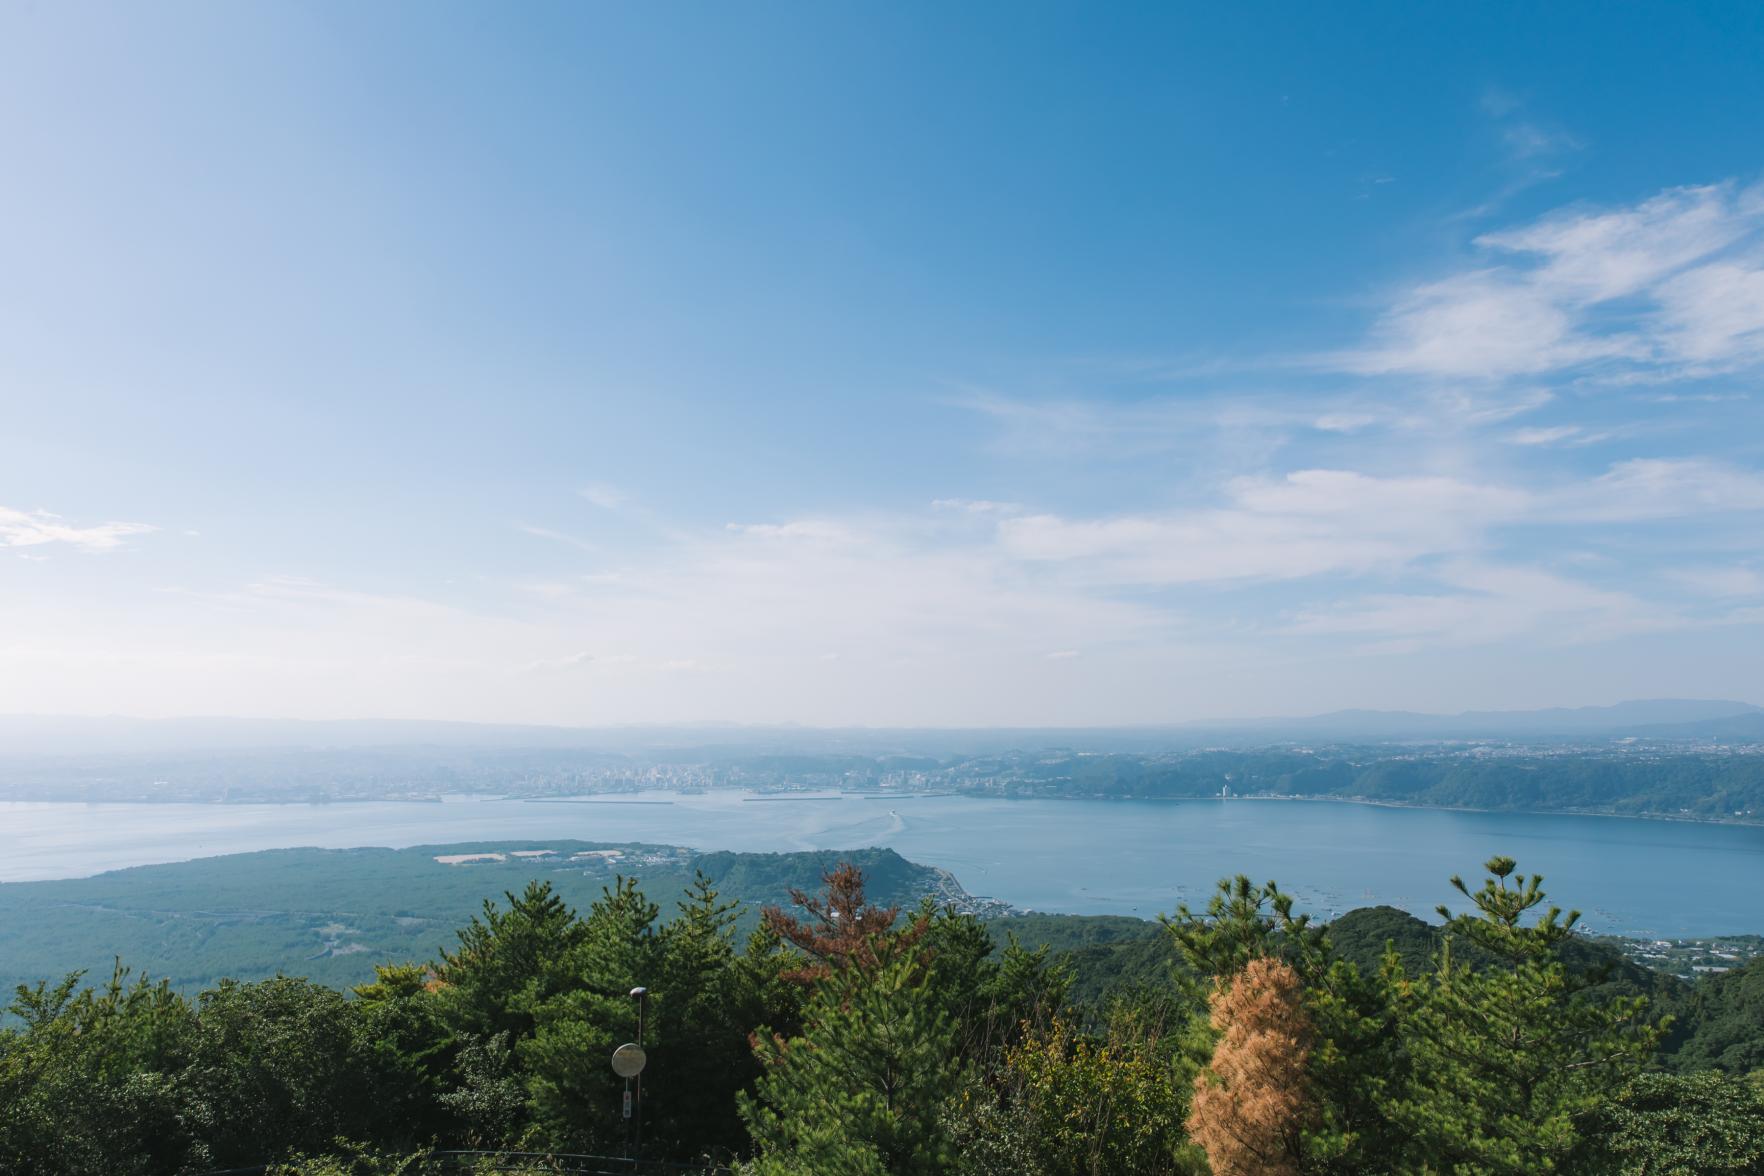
<point x="943" y="364"/>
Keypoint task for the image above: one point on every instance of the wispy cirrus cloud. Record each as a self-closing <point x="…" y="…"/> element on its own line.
<point x="1321" y="521"/>
<point x="1546" y="435"/>
<point x="1526" y="140"/>
<point x="1715" y="581"/>
<point x="1642" y="489"/>
<point x="604" y="496"/>
<point x="37" y="528"/>
<point x="1714" y="314"/>
<point x="932" y="611"/>
<point x="1533" y="149"/>
<point x="557" y="537"/>
<point x="1393" y="562"/>
<point x="1477" y="604"/>
<point x="983" y="506"/>
<point x="1236" y="428"/>
<point x="1307" y="523"/>
<point x="1674" y="283"/>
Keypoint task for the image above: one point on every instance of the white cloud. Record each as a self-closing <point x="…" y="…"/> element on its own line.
<point x="1487" y="603"/>
<point x="604" y="496"/>
<point x="1006" y="618"/>
<point x="1592" y="257"/>
<point x="1457" y="406"/>
<point x="556" y="537"/>
<point x="1660" y="488"/>
<point x="1345" y="523"/>
<point x="975" y="505"/>
<point x="902" y="593"/>
<point x="797" y="531"/>
<point x="1307" y="523"/>
<point x="1069" y="428"/>
<point x="20" y="528"/>
<point x="1653" y="287"/>
<point x="1482" y="324"/>
<point x="1319" y="521"/>
<point x="1344" y="422"/>
<point x="1720" y="581"/>
<point x="1380" y="500"/>
<point x="1222" y="433"/>
<point x="1715" y="314"/>
<point x="1544" y="436"/>
<point x="1526" y="140"/>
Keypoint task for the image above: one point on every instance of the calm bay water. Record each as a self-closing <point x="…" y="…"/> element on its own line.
<point x="1092" y="857"/>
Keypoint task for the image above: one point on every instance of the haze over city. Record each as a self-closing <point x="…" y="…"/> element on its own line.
<point x="846" y="366"/>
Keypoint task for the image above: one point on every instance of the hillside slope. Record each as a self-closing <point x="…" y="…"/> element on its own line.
<point x="332" y="914"/>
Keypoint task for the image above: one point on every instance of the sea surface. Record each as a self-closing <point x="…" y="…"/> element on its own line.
<point x="1635" y="877"/>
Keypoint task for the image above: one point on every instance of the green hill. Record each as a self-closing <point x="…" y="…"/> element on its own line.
<point x="332" y="914"/>
<point x="1724" y="1022"/>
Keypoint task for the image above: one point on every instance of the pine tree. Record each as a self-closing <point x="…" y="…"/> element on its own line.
<point x="1242" y="922"/>
<point x="703" y="1007"/>
<point x="1505" y="1059"/>
<point x="587" y="1012"/>
<point x="1024" y="993"/>
<point x="1354" y="1052"/>
<point x="89" y="1079"/>
<point x="506" y="962"/>
<point x="840" y="927"/>
<point x="1251" y="1105"/>
<point x="862" y="1088"/>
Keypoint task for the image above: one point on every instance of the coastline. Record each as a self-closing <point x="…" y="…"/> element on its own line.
<point x="1682" y="818"/>
<point x="625" y="798"/>
<point x="1374" y="802"/>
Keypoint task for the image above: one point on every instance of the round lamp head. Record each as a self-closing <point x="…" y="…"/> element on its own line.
<point x="628" y="1060"/>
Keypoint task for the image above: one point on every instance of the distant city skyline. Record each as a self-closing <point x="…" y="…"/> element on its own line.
<point x="997" y="365"/>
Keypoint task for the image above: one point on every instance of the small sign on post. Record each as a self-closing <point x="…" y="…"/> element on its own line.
<point x="627" y="1102"/>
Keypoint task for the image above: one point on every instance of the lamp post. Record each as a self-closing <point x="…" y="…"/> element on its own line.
<point x="627" y="1062"/>
<point x="641" y="996"/>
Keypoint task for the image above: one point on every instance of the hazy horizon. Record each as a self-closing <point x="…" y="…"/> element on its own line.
<point x="975" y="368"/>
<point x="1668" y="705"/>
<point x="715" y="722"/>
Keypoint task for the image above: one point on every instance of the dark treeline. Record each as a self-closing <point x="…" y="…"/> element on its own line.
<point x="847" y="1039"/>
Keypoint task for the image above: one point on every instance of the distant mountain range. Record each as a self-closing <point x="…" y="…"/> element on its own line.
<point x="1665" y="718"/>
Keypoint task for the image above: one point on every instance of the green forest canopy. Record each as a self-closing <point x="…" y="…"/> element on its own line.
<point x="845" y="1035"/>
